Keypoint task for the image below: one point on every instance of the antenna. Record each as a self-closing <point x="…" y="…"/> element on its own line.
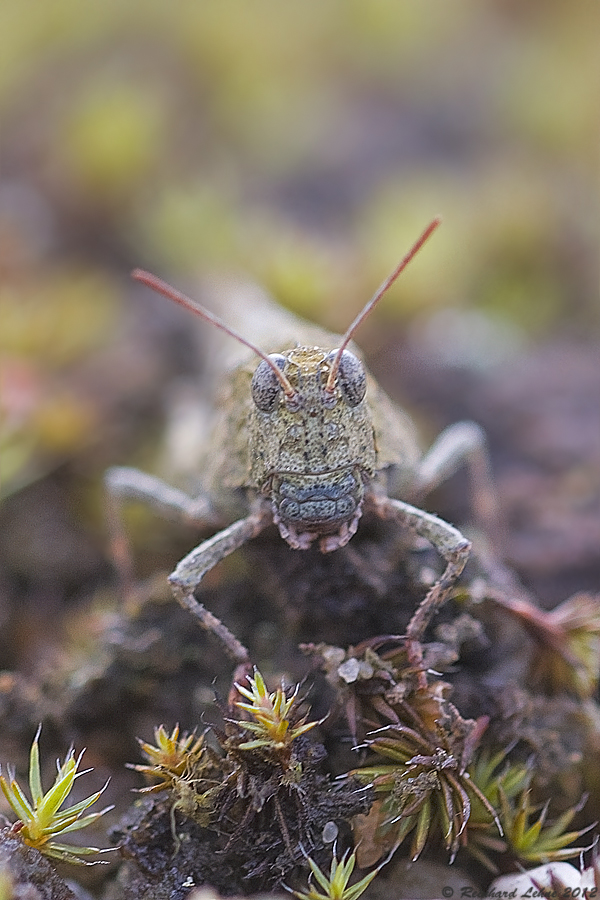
<point x="381" y="290"/>
<point x="161" y="287"/>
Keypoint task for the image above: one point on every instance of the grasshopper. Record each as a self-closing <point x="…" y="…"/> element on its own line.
<point x="307" y="440"/>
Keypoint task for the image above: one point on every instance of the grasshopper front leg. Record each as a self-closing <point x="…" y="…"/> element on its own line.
<point x="192" y="568"/>
<point x="124" y="483"/>
<point x="449" y="543"/>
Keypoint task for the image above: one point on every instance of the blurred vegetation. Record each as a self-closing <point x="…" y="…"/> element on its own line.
<point x="302" y="144"/>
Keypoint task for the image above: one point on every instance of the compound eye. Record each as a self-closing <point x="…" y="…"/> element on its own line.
<point x="351" y="377"/>
<point x="266" y="386"/>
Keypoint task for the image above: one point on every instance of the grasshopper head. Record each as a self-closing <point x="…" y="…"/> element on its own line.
<point x="312" y="451"/>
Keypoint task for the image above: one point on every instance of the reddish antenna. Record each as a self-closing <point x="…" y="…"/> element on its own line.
<point x="381" y="290"/>
<point x="161" y="287"/>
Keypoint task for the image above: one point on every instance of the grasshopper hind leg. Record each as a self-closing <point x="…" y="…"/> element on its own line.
<point x="462" y="444"/>
<point x="124" y="484"/>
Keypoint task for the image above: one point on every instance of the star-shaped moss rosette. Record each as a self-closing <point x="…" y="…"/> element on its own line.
<point x="276" y="719"/>
<point x="41" y="821"/>
<point x="169" y="758"/>
<point x="426" y="786"/>
<point x="335" y="885"/>
<point x="507" y="787"/>
<point x="538" y="841"/>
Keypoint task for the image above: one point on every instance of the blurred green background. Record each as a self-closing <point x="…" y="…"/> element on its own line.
<point x="305" y="144"/>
